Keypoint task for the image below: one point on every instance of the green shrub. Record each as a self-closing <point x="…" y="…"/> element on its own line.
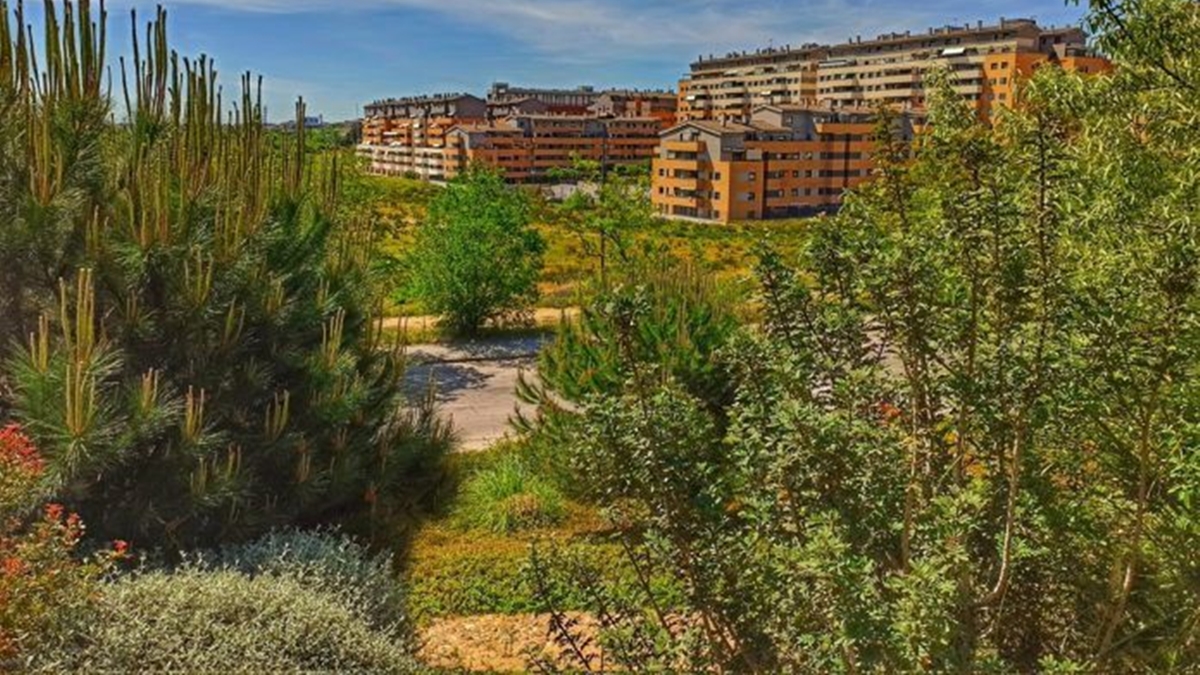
<point x="453" y="573"/>
<point x="290" y="601"/>
<point x="331" y="563"/>
<point x="197" y="620"/>
<point x="477" y="258"/>
<point x="508" y="496"/>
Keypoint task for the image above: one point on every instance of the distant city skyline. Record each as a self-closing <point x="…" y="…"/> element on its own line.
<point x="342" y="54"/>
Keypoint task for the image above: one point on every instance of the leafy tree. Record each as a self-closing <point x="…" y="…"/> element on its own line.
<point x="965" y="437"/>
<point x="477" y="258"/>
<point x="608" y="204"/>
<point x="191" y="307"/>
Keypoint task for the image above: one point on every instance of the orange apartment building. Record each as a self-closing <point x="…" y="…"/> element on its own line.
<point x="984" y="60"/>
<point x="784" y="161"/>
<point x="525" y="132"/>
<point x="528" y="147"/>
<point x="784" y="132"/>
<point x="407" y="136"/>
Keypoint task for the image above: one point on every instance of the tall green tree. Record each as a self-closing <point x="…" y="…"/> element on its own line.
<point x="477" y="257"/>
<point x="965" y="438"/>
<point x="190" y="310"/>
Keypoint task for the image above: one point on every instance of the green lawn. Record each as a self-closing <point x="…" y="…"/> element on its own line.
<point x="453" y="568"/>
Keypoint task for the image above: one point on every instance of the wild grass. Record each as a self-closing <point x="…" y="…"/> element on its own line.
<point x="509" y="496"/>
<point x="726" y="249"/>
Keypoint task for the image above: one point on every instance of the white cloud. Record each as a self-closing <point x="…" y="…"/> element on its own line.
<point x="595" y="30"/>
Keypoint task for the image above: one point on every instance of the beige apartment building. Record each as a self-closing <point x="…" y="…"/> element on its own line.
<point x="985" y="61"/>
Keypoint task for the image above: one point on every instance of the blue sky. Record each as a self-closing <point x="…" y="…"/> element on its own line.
<point x="341" y="54"/>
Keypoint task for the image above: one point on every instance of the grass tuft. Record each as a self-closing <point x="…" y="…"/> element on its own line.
<point x="508" y="496"/>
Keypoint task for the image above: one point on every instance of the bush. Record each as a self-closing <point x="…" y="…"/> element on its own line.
<point x="508" y="496"/>
<point x="290" y="601"/>
<point x="478" y="257"/>
<point x="197" y="620"/>
<point x="331" y="563"/>
<point x="46" y="593"/>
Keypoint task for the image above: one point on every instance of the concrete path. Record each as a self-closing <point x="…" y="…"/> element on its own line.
<point x="476" y="383"/>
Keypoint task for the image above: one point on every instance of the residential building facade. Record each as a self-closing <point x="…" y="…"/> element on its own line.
<point x="785" y="131"/>
<point x="525" y="132"/>
<point x="784" y="161"/>
<point x="392" y="120"/>
<point x="556" y="101"/>
<point x="984" y="62"/>
<point x="528" y="148"/>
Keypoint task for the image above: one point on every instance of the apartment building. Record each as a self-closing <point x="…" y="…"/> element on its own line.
<point x="527" y="148"/>
<point x="985" y="62"/>
<point x="392" y="120"/>
<point x="730" y="87"/>
<point x="556" y="101"/>
<point x="782" y="161"/>
<point x="523" y="131"/>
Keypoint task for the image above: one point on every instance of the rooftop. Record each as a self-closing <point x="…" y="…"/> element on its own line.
<point x="814" y="50"/>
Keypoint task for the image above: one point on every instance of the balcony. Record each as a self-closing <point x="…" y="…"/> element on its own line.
<point x="686" y="147"/>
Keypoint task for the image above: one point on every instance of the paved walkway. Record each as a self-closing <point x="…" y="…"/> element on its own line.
<point x="476" y="383"/>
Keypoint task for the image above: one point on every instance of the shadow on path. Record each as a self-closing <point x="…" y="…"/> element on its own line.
<point x="449" y="380"/>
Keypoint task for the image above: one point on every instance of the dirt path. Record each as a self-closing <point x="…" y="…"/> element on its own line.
<point x="544" y="317"/>
<point x="497" y="644"/>
<point x="476" y="383"/>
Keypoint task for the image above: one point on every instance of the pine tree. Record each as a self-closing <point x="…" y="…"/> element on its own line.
<point x="191" y="311"/>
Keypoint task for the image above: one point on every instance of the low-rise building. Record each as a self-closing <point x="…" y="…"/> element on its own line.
<point x="784" y="161"/>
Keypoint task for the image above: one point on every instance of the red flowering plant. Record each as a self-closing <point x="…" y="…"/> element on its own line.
<point x="20" y="470"/>
<point x="46" y="590"/>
